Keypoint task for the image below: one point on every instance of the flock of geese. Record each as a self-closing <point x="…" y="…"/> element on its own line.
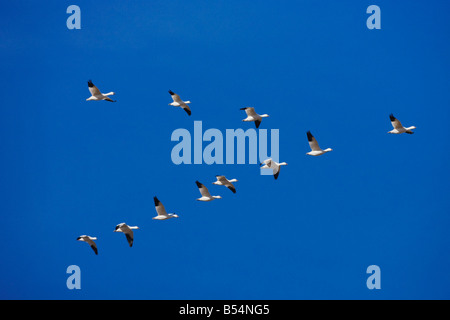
<point x="252" y="116"/>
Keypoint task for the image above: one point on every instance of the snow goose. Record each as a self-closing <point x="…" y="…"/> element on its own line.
<point x="127" y="230"/>
<point x="222" y="181"/>
<point x="206" y="196"/>
<point x="177" y="102"/>
<point x="97" y="95"/>
<point x="253" y="116"/>
<point x="162" y="214"/>
<point x="315" y="149"/>
<point x="398" y="128"/>
<point x="270" y="164"/>
<point x="90" y="241"/>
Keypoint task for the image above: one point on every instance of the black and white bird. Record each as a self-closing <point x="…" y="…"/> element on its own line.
<point x="206" y="196"/>
<point x="253" y="116"/>
<point x="398" y="128"/>
<point x="97" y="95"/>
<point x="127" y="230"/>
<point x="275" y="166"/>
<point x="89" y="240"/>
<point x="315" y="149"/>
<point x="222" y="181"/>
<point x="162" y="214"/>
<point x="177" y="102"/>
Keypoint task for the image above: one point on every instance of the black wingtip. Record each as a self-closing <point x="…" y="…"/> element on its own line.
<point x="257" y="123"/>
<point x="310" y="136"/>
<point x="188" y="111"/>
<point x="391" y="116"/>
<point x="276" y="175"/>
<point x="90" y="84"/>
<point x="78" y="238"/>
<point x="156" y="201"/>
<point x="243" y="109"/>
<point x="171" y="92"/>
<point x="198" y="184"/>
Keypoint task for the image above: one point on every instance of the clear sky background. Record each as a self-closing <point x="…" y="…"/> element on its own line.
<point x="72" y="167"/>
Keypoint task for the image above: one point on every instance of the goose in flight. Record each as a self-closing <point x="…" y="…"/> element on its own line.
<point x="222" y="181"/>
<point x="315" y="149"/>
<point x="90" y="241"/>
<point x="177" y="102"/>
<point x="162" y="214"/>
<point x="253" y="116"/>
<point x="127" y="230"/>
<point x="97" y="95"/>
<point x="398" y="128"/>
<point x="206" y="196"/>
<point x="275" y="166"/>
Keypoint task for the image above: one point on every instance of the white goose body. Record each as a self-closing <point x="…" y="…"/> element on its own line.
<point x="315" y="149"/>
<point x="223" y="181"/>
<point x="206" y="196"/>
<point x="96" y="95"/>
<point x="177" y="102"/>
<point x="275" y="166"/>
<point x="162" y="214"/>
<point x="398" y="128"/>
<point x="89" y="240"/>
<point x="127" y="230"/>
<point x="253" y="116"/>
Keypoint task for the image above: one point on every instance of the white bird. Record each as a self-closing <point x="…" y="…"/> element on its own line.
<point x="162" y="214"/>
<point x="127" y="230"/>
<point x="206" y="196"/>
<point x="177" y="102"/>
<point x="398" y="128"/>
<point x="90" y="241"/>
<point x="222" y="181"/>
<point x="270" y="164"/>
<point x="97" y="95"/>
<point x="315" y="149"/>
<point x="253" y="116"/>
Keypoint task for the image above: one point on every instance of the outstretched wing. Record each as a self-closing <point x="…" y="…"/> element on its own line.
<point x="93" y="89"/>
<point x="250" y="111"/>
<point x="94" y="247"/>
<point x="276" y="174"/>
<point x="395" y="122"/>
<point x="160" y="207"/>
<point x="129" y="236"/>
<point x="312" y="142"/>
<point x="203" y="190"/>
<point x="175" y="97"/>
<point x="231" y="187"/>
<point x="186" y="108"/>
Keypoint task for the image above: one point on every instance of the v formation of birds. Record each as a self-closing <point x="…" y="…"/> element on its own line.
<point x="252" y="116"/>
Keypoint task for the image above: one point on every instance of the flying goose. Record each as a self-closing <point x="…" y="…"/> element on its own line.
<point x="97" y="95"/>
<point x="90" y="241"/>
<point x="315" y="149"/>
<point x="270" y="164"/>
<point x="162" y="214"/>
<point x="253" y="116"/>
<point x="177" y="102"/>
<point x="123" y="227"/>
<point x="222" y="181"/>
<point x="206" y="196"/>
<point x="398" y="128"/>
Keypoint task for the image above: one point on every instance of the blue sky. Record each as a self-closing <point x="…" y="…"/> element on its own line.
<point x="72" y="167"/>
